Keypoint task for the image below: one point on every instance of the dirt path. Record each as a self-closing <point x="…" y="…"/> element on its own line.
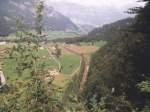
<point x="86" y="67"/>
<point x="85" y="73"/>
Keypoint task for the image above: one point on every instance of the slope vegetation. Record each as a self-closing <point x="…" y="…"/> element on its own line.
<point x="11" y="9"/>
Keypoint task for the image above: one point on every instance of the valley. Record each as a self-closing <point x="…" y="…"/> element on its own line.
<point x="69" y="62"/>
<point x="74" y="56"/>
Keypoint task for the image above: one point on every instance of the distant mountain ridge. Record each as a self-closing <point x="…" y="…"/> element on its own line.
<point x="111" y="31"/>
<point x="107" y="32"/>
<point x="10" y="9"/>
<point x="89" y="15"/>
<point x="85" y="28"/>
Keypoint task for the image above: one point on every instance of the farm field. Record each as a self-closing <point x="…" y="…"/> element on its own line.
<point x="98" y="44"/>
<point x="50" y="35"/>
<point x="61" y="34"/>
<point x="69" y="62"/>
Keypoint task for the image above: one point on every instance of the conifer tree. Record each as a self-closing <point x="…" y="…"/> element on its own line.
<point x="142" y="25"/>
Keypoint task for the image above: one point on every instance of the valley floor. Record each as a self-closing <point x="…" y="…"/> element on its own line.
<point x="70" y="63"/>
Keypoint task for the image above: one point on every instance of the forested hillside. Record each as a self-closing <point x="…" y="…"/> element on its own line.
<point x="108" y="32"/>
<point x="10" y="10"/>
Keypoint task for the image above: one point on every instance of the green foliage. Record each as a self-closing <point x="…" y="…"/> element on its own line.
<point x="73" y="100"/>
<point x="142" y="25"/>
<point x="10" y="97"/>
<point x="142" y="18"/>
<point x="144" y="86"/>
<point x="94" y="106"/>
<point x="113" y="71"/>
<point x="39" y="16"/>
<point x="11" y="72"/>
<point x="146" y="108"/>
<point x="110" y="103"/>
<point x="74" y="104"/>
<point x="38" y="92"/>
<point x="118" y="68"/>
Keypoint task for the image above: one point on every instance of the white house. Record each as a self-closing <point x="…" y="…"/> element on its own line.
<point x="2" y="43"/>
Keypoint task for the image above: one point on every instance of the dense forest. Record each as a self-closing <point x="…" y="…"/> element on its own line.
<point x="119" y="74"/>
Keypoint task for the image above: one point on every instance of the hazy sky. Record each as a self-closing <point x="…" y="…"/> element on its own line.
<point x="99" y="3"/>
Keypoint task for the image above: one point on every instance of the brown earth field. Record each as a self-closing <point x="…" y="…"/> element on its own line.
<point x="83" y="49"/>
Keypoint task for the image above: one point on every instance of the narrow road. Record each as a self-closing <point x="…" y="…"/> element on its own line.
<point x="86" y="67"/>
<point x="85" y="73"/>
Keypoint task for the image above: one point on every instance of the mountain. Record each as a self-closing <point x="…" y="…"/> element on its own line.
<point x="107" y="32"/>
<point x="85" y="28"/>
<point x="96" y="16"/>
<point x="111" y="31"/>
<point x="10" y="9"/>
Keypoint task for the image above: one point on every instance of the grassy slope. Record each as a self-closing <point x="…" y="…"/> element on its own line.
<point x="69" y="64"/>
<point x="9" y="66"/>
